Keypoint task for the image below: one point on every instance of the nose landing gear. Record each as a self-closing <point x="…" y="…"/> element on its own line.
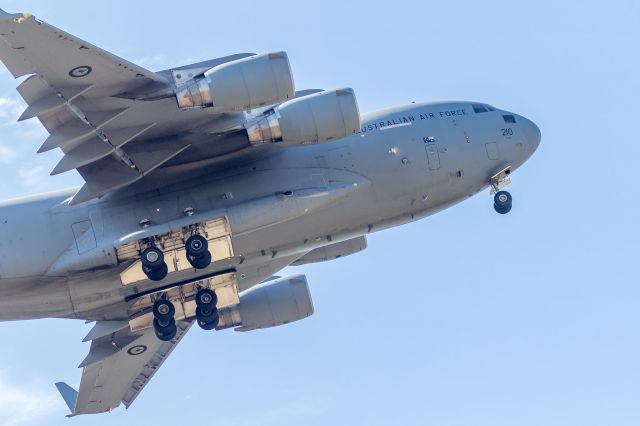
<point x="502" y="202"/>
<point x="206" y="310"/>
<point x="163" y="322"/>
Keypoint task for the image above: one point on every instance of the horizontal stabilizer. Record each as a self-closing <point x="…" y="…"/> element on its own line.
<point x="69" y="394"/>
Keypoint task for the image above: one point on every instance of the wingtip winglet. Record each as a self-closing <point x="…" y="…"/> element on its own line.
<point x="69" y="394"/>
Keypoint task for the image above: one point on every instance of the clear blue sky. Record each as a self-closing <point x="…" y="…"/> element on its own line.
<point x="464" y="318"/>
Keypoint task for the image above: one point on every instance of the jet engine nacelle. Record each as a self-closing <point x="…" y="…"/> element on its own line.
<point x="269" y="304"/>
<point x="243" y="84"/>
<point x="315" y="118"/>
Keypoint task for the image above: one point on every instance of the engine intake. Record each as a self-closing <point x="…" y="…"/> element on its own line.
<point x="243" y="84"/>
<point x="269" y="304"/>
<point x="315" y="118"/>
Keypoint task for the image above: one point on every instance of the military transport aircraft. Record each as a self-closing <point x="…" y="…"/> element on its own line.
<point x="205" y="180"/>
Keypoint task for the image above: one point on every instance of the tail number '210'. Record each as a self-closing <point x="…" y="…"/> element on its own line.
<point x="507" y="132"/>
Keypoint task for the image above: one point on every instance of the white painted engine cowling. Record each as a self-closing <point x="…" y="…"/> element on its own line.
<point x="316" y="118"/>
<point x="269" y="304"/>
<point x="243" y="84"/>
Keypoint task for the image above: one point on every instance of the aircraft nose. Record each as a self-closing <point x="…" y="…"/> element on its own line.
<point x="531" y="132"/>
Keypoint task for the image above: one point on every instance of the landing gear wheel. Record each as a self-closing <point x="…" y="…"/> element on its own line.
<point x="502" y="202"/>
<point x="156" y="274"/>
<point x="196" y="246"/>
<point x="200" y="262"/>
<point x="152" y="258"/>
<point x="163" y="310"/>
<point x="207" y="322"/>
<point x="500" y="210"/>
<point x="165" y="332"/>
<point x="206" y="299"/>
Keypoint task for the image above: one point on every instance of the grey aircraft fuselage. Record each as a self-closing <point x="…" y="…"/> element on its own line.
<point x="406" y="163"/>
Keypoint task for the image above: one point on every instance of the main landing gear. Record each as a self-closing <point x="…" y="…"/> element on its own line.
<point x="153" y="264"/>
<point x="206" y="310"/>
<point x="163" y="322"/>
<point x="198" y="254"/>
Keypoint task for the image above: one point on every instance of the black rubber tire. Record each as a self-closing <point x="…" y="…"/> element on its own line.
<point x="205" y="312"/>
<point x="163" y="327"/>
<point x="196" y="246"/>
<point x="156" y="274"/>
<point x="206" y="299"/>
<point x="502" y="210"/>
<point x="163" y="310"/>
<point x="200" y="262"/>
<point x="152" y="258"/>
<point x="209" y="322"/>
<point x="502" y="200"/>
<point x="166" y="333"/>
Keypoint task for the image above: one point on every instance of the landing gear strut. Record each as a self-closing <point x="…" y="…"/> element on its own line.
<point x="163" y="322"/>
<point x="206" y="310"/>
<point x="197" y="248"/>
<point x="153" y="264"/>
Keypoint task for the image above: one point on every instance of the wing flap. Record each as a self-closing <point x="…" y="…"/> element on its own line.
<point x="96" y="148"/>
<point x="153" y="365"/>
<point x="50" y="101"/>
<point x="111" y="172"/>
<point x="79" y="130"/>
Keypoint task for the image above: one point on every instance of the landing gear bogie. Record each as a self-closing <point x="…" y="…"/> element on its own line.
<point x="153" y="264"/>
<point x="207" y="315"/>
<point x="502" y="202"/>
<point x="164" y="324"/>
<point x="197" y="248"/>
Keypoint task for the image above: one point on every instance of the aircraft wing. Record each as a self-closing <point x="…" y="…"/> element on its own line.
<point x="118" y="367"/>
<point x="88" y="100"/>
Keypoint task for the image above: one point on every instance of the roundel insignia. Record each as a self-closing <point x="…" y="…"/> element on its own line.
<point x="137" y="350"/>
<point x="81" y="71"/>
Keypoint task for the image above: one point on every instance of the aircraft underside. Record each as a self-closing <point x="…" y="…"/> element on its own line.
<point x="205" y="180"/>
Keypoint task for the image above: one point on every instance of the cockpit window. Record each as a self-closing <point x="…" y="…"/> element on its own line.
<point x="509" y="118"/>
<point x="490" y="108"/>
<point x="478" y="108"/>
